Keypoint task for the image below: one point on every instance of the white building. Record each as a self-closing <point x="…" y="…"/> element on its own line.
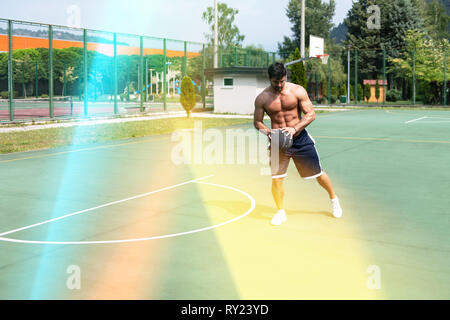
<point x="235" y="88"/>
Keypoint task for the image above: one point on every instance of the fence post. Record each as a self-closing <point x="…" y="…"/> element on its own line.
<point x="10" y="71"/>
<point x="141" y="78"/>
<point x="116" y="109"/>
<point x="184" y="61"/>
<point x="37" y="86"/>
<point x="85" y="60"/>
<point x="203" y="77"/>
<point x="414" y="76"/>
<point x="50" y="71"/>
<point x="329" y="80"/>
<point x="317" y="86"/>
<point x="384" y="76"/>
<point x="146" y="79"/>
<point x="65" y="81"/>
<point x="356" y="76"/>
<point x="164" y="75"/>
<point x="445" y="77"/>
<point x="23" y="80"/>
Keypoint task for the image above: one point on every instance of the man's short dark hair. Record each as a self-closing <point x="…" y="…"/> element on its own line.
<point x="277" y="70"/>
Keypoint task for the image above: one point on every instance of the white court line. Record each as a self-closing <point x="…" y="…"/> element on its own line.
<point x="438" y="118"/>
<point x="102" y="206"/>
<point x="252" y="207"/>
<point x="410" y="121"/>
<point x="448" y="121"/>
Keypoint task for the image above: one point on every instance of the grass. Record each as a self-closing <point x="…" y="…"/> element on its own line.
<point x="58" y="137"/>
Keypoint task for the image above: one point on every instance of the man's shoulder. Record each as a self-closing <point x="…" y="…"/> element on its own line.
<point x="262" y="95"/>
<point x="296" y="89"/>
<point x="294" y="86"/>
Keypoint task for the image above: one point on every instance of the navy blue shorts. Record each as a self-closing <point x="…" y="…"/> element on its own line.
<point x="304" y="154"/>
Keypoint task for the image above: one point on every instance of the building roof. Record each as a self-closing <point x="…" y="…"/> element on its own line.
<point x="238" y="70"/>
<point x="373" y="82"/>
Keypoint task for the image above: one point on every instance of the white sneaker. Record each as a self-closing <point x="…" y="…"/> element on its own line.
<point x="336" y="208"/>
<point x="279" y="218"/>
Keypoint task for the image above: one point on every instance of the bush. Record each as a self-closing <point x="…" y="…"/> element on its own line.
<point x="45" y="96"/>
<point x="198" y="98"/>
<point x="360" y="92"/>
<point x="343" y="90"/>
<point x="393" y="95"/>
<point x="5" y="94"/>
<point x="187" y="97"/>
<point x="323" y="100"/>
<point x="333" y="99"/>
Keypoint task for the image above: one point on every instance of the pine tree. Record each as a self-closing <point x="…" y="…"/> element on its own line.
<point x="367" y="93"/>
<point x="187" y="97"/>
<point x="377" y="90"/>
<point x="402" y="16"/>
<point x="396" y="18"/>
<point x="360" y="92"/>
<point x="298" y="71"/>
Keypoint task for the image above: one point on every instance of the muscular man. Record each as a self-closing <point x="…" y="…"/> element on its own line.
<point x="284" y="102"/>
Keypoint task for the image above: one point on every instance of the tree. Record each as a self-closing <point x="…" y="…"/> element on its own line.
<point x="187" y="97"/>
<point x="367" y="93"/>
<point x="318" y="22"/>
<point x="437" y="20"/>
<point x="377" y="90"/>
<point x="396" y="18"/>
<point x="228" y="33"/>
<point x="69" y="77"/>
<point x="298" y="71"/>
<point x="402" y="16"/>
<point x="429" y="62"/>
<point x="360" y="92"/>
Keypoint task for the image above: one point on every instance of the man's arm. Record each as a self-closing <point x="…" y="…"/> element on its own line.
<point x="258" y="116"/>
<point x="305" y="106"/>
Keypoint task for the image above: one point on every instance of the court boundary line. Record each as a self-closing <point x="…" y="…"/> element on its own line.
<point x="383" y="139"/>
<point x="198" y="180"/>
<point x="414" y="120"/>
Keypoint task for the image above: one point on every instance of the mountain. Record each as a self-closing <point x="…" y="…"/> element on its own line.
<point x="339" y="33"/>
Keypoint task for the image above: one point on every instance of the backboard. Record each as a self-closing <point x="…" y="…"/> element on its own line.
<point x="316" y="45"/>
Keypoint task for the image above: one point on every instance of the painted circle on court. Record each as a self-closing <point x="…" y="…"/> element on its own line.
<point x="252" y="207"/>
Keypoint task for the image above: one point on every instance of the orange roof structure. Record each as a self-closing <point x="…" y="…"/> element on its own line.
<point x="20" y="42"/>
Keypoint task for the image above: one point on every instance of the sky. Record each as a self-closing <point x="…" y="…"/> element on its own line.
<point x="263" y="22"/>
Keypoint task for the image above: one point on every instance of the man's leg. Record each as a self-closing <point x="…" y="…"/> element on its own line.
<point x="278" y="192"/>
<point x="278" y="196"/>
<point x="325" y="182"/>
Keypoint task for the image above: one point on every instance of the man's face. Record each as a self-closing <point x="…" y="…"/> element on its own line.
<point x="278" y="84"/>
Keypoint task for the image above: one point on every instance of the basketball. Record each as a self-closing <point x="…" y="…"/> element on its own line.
<point x="282" y="140"/>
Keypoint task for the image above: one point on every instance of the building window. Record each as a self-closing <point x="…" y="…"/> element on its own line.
<point x="228" y="82"/>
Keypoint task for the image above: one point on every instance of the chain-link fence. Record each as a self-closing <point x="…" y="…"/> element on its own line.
<point x="373" y="77"/>
<point x="49" y="71"/>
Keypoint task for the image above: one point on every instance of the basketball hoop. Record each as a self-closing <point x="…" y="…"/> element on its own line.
<point x="323" y="57"/>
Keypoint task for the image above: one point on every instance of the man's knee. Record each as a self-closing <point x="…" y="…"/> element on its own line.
<point x="277" y="183"/>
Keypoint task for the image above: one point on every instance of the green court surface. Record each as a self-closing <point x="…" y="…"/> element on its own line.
<point x="138" y="225"/>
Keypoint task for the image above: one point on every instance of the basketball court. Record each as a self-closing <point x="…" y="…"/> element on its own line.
<point x="138" y="226"/>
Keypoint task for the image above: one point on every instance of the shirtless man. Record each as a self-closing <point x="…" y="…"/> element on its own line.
<point x="284" y="102"/>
